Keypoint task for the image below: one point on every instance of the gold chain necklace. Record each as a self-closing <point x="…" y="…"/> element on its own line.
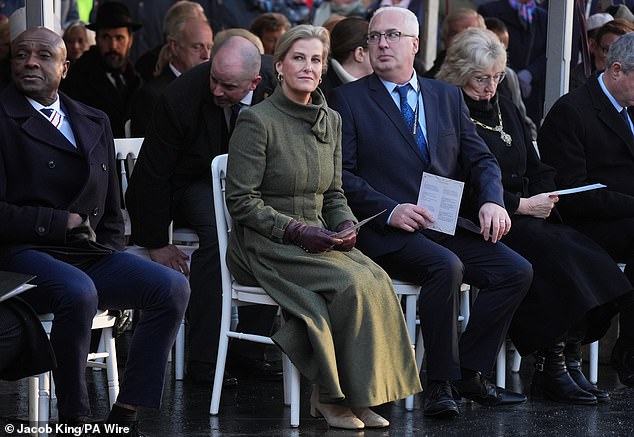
<point x="499" y="128"/>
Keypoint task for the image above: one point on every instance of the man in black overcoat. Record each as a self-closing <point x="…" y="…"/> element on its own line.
<point x="588" y="137"/>
<point x="190" y="125"/>
<point x="62" y="222"/>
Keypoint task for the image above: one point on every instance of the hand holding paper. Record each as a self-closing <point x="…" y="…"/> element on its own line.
<point x="342" y="233"/>
<point x="349" y="239"/>
<point x="539" y="205"/>
<point x="441" y="197"/>
<point x="310" y="238"/>
<point x="410" y="218"/>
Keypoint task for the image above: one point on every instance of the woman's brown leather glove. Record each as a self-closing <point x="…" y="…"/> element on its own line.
<point x="310" y="238"/>
<point x="348" y="240"/>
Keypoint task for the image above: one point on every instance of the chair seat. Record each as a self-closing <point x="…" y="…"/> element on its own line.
<point x="185" y="237"/>
<point x="101" y="320"/>
<point x="405" y="288"/>
<point x="256" y="295"/>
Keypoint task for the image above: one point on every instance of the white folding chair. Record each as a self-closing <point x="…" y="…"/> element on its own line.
<point x="127" y="150"/>
<point x="410" y="293"/>
<point x="237" y="294"/>
<point x="41" y="387"/>
<point x="463" y="318"/>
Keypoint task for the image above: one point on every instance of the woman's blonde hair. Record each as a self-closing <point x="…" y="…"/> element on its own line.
<point x="303" y="31"/>
<point x="472" y="49"/>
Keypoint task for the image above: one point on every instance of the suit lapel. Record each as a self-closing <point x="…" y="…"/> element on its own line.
<point x="214" y="118"/>
<point x="608" y="114"/>
<point x="430" y="102"/>
<point x="382" y="98"/>
<point x="86" y="130"/>
<point x="33" y="124"/>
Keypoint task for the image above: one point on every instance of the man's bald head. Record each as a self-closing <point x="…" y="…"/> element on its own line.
<point x="235" y="70"/>
<point x="42" y="35"/>
<point x="38" y="63"/>
<point x="237" y="50"/>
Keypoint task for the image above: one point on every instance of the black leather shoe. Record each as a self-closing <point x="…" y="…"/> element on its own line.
<point x="203" y="373"/>
<point x="574" y="369"/>
<point x="252" y="368"/>
<point x="482" y="391"/>
<point x="623" y="361"/>
<point x="439" y="401"/>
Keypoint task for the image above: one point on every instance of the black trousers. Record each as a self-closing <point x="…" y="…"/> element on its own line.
<point x="617" y="238"/>
<point x="195" y="209"/>
<point x="440" y="266"/>
<point x="12" y="340"/>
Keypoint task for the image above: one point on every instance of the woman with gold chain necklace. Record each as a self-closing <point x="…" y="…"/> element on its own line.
<point x="576" y="285"/>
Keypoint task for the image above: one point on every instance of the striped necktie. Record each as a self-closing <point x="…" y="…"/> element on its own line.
<point x="53" y="116"/>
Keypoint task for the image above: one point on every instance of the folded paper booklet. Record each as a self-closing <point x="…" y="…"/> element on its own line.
<point x="357" y="226"/>
<point x="579" y="189"/>
<point x="12" y="284"/>
<point x="441" y="197"/>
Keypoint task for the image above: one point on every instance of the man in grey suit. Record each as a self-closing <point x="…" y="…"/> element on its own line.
<point x="383" y="161"/>
<point x="190" y="125"/>
<point x="588" y="137"/>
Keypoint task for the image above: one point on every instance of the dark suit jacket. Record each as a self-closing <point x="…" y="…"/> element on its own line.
<point x="43" y="177"/>
<point x="186" y="132"/>
<point x="144" y="100"/>
<point x="88" y="83"/>
<point x="587" y="141"/>
<point x="382" y="165"/>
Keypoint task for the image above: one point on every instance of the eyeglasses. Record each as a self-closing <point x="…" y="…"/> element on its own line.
<point x="391" y="36"/>
<point x="482" y="80"/>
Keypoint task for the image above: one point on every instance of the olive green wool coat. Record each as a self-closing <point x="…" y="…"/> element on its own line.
<point x="345" y="329"/>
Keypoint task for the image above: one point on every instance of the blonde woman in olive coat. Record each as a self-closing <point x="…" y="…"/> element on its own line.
<point x="344" y="326"/>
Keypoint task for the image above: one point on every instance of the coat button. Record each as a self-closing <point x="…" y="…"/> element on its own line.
<point x="51" y="164"/>
<point x="41" y="229"/>
<point x="103" y="167"/>
<point x="95" y="212"/>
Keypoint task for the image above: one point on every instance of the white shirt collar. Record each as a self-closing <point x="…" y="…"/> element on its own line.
<point x="174" y="70"/>
<point x="616" y="104"/>
<point x="246" y="100"/>
<point x="55" y="105"/>
<point x="389" y="86"/>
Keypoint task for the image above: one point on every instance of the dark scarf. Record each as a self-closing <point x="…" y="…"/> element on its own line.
<point x="482" y="110"/>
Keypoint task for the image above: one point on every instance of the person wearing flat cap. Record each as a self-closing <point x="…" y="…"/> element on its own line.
<point x="104" y="77"/>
